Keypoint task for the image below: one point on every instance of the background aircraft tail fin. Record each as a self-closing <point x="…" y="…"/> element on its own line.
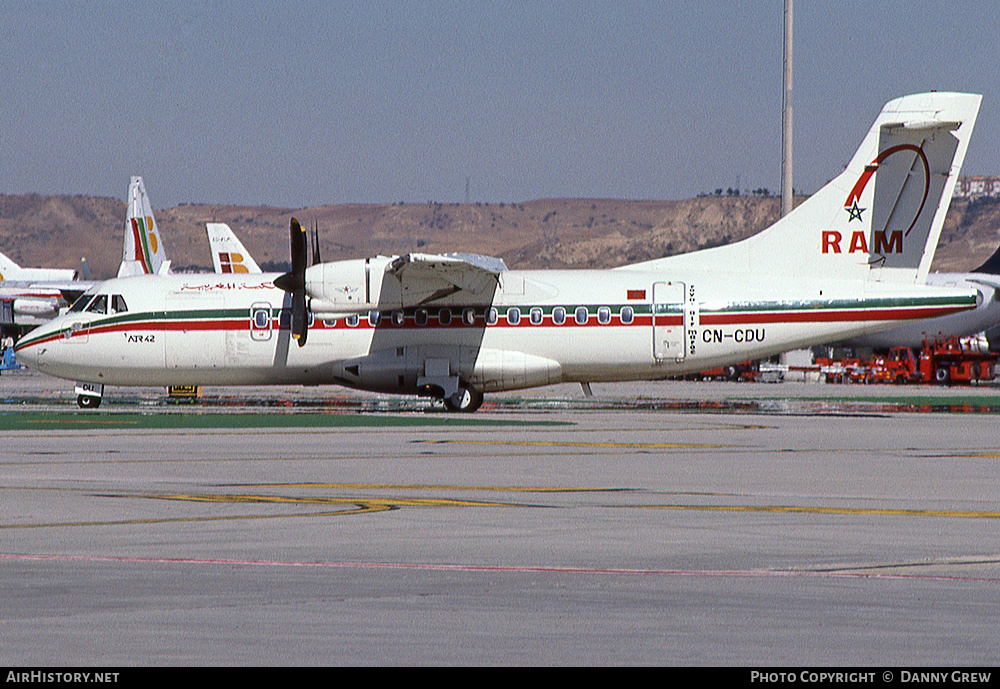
<point x="992" y="265"/>
<point x="8" y="268"/>
<point x="228" y="253"/>
<point x="142" y="249"/>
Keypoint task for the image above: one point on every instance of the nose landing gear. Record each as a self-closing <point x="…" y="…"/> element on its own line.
<point x="88" y="395"/>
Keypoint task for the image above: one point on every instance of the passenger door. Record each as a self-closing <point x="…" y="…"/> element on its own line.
<point x="668" y="321"/>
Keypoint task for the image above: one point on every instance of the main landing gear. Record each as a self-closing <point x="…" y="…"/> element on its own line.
<point x="466" y="399"/>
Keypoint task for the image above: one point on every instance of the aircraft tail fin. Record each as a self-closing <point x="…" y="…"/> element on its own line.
<point x="8" y="268"/>
<point x="991" y="265"/>
<point x="881" y="218"/>
<point x="142" y="249"/>
<point x="228" y="253"/>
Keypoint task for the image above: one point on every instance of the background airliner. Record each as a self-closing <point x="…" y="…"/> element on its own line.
<point x="984" y="318"/>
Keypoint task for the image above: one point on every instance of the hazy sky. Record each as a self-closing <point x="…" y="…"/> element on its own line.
<point x="303" y="103"/>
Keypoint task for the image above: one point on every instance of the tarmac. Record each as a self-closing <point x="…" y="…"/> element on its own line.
<point x="674" y="523"/>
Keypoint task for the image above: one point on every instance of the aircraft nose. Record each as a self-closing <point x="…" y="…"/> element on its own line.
<point x="29" y="355"/>
<point x="30" y="351"/>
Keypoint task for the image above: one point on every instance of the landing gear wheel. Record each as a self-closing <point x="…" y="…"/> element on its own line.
<point x="88" y="401"/>
<point x="466" y="399"/>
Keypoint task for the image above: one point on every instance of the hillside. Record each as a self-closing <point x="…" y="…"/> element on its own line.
<point x="56" y="231"/>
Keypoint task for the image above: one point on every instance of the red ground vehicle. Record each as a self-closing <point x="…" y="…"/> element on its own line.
<point x="899" y="366"/>
<point x="746" y="371"/>
<point x="942" y="361"/>
<point x="844" y="370"/>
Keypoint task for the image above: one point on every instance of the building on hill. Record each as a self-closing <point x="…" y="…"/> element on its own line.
<point x="976" y="187"/>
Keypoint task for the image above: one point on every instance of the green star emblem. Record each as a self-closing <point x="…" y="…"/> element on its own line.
<point x="855" y="212"/>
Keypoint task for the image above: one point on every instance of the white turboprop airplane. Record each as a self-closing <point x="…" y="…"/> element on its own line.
<point x="228" y="253"/>
<point x="851" y="259"/>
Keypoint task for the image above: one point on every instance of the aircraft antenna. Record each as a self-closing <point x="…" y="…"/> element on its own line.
<point x="786" y="117"/>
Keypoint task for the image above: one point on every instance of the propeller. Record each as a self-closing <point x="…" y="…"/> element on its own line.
<point x="295" y="282"/>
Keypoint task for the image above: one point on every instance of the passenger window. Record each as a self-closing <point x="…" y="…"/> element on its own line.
<point x="513" y="316"/>
<point x="559" y="315"/>
<point x="535" y="315"/>
<point x="373" y="318"/>
<point x="118" y="304"/>
<point x="261" y="318"/>
<point x="491" y="316"/>
<point x="626" y="314"/>
<point x="352" y="320"/>
<point x="469" y="317"/>
<point x="581" y="315"/>
<point x="420" y="317"/>
<point x="99" y="305"/>
<point x="397" y="317"/>
<point x="604" y="315"/>
<point x="444" y="316"/>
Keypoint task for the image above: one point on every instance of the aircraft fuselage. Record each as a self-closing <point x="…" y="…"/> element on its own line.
<point x="539" y="328"/>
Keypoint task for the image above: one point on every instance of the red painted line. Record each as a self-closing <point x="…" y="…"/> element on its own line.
<point x="705" y="319"/>
<point x="37" y="294"/>
<point x="522" y="569"/>
<point x="20" y="346"/>
<point x="137" y="241"/>
<point x="190" y="325"/>
<point x="819" y="316"/>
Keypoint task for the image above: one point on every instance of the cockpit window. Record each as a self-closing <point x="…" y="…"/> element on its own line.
<point x="81" y="303"/>
<point x="99" y="305"/>
<point x="118" y="304"/>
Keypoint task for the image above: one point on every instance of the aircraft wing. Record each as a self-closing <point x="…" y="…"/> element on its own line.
<point x="425" y="278"/>
<point x="71" y="290"/>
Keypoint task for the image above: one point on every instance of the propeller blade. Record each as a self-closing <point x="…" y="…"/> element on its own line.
<point x="300" y="326"/>
<point x="295" y="281"/>
<point x="299" y="243"/>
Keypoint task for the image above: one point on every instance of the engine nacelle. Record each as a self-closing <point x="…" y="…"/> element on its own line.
<point x="349" y="286"/>
<point x="29" y="310"/>
<point x="436" y="370"/>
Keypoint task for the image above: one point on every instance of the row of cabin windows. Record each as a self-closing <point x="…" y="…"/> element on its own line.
<point x="100" y="304"/>
<point x="513" y="316"/>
